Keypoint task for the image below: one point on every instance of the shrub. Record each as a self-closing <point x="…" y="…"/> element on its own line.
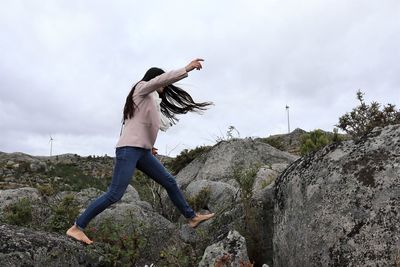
<point x="19" y="213"/>
<point x="47" y="189"/>
<point x="363" y="118"/>
<point x="185" y="157"/>
<point x="64" y="214"/>
<point x="274" y="141"/>
<point x="246" y="178"/>
<point x="313" y="141"/>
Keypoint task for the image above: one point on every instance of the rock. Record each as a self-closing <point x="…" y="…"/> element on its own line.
<point x="154" y="229"/>
<point x="230" y="251"/>
<point x="220" y="193"/>
<point x="261" y="242"/>
<point x="21" y="246"/>
<point x="38" y="166"/>
<point x="57" y="179"/>
<point x="219" y="163"/>
<point x="265" y="176"/>
<point x="87" y="195"/>
<point x="340" y="206"/>
<point x="10" y="163"/>
<point x="11" y="196"/>
<point x="217" y="169"/>
<point x="130" y="195"/>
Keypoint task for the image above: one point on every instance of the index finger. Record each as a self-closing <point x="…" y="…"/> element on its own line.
<point x="199" y="59"/>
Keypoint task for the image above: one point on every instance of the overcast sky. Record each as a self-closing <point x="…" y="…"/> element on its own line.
<point x="66" y="67"/>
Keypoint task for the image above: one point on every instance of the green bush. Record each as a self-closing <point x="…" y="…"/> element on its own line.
<point x="47" y="189"/>
<point x="274" y="141"/>
<point x="363" y="118"/>
<point x="313" y="141"/>
<point x="19" y="213"/>
<point x="246" y="178"/>
<point x="185" y="157"/>
<point x="64" y="214"/>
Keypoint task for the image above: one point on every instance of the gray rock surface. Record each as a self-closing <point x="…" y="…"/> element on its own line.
<point x="87" y="195"/>
<point x="219" y="163"/>
<point x="21" y="246"/>
<point x="267" y="175"/>
<point x="11" y="196"/>
<point x="340" y="206"/>
<point x="131" y="217"/>
<point x="216" y="168"/>
<point x="220" y="193"/>
<point x="231" y="251"/>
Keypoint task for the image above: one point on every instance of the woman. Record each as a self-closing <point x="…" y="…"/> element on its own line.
<point x="144" y="114"/>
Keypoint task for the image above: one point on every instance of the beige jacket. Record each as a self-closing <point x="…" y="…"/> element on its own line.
<point x="141" y="130"/>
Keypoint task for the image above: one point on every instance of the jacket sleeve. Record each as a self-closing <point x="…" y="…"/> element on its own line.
<point x="144" y="88"/>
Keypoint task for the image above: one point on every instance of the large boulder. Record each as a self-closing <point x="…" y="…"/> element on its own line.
<point x="218" y="169"/>
<point x="231" y="251"/>
<point x="220" y="163"/>
<point x="340" y="206"/>
<point x="10" y="197"/>
<point x="132" y="217"/>
<point x="218" y="193"/>
<point x="20" y="246"/>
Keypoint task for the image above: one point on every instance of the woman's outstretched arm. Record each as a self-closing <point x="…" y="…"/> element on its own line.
<point x="167" y="78"/>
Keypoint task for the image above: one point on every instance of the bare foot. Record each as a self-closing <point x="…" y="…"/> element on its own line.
<point x="76" y="233"/>
<point x="199" y="218"/>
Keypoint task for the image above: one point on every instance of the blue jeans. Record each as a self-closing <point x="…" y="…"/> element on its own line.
<point x="126" y="161"/>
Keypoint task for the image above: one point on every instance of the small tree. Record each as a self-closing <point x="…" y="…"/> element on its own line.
<point x="363" y="118"/>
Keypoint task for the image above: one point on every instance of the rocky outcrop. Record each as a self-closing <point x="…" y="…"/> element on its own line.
<point x="130" y="217"/>
<point x="231" y="251"/>
<point x="12" y="196"/>
<point x="133" y="217"/>
<point x="220" y="162"/>
<point x="217" y="170"/>
<point x="21" y="246"/>
<point x="340" y="206"/>
<point x="22" y="170"/>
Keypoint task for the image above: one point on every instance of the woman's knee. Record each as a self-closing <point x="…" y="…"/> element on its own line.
<point x="114" y="196"/>
<point x="170" y="182"/>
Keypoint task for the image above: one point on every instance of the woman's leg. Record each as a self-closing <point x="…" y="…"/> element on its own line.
<point x="153" y="168"/>
<point x="125" y="164"/>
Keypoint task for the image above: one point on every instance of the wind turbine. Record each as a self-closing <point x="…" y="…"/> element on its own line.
<point x="288" y="123"/>
<point x="51" y="145"/>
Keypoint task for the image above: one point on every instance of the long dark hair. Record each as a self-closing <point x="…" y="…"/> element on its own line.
<point x="175" y="100"/>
